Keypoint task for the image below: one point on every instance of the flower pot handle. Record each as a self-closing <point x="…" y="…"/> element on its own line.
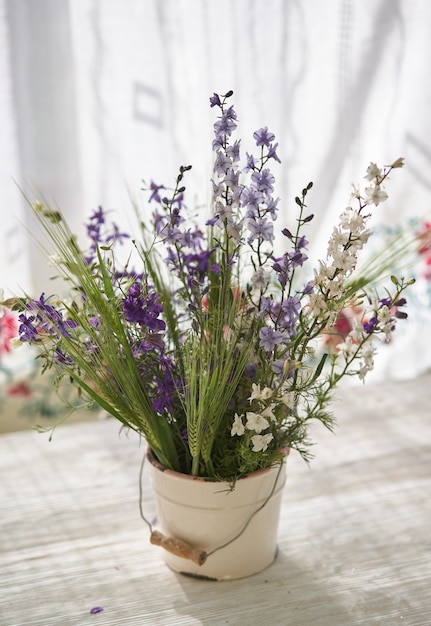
<point x="178" y="547"/>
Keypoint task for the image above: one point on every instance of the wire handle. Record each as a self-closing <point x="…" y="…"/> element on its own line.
<point x="178" y="547"/>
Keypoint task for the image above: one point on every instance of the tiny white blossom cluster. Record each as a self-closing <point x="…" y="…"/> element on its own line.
<point x="359" y="343"/>
<point x="346" y="241"/>
<point x="349" y="350"/>
<point x="266" y="400"/>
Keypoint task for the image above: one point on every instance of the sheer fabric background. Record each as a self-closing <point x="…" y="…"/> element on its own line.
<point x="97" y="95"/>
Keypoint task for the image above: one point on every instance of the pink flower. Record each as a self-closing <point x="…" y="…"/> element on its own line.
<point x="20" y="389"/>
<point x="8" y="330"/>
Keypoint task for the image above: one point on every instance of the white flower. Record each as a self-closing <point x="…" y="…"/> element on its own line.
<point x="268" y="412"/>
<point x="388" y="329"/>
<point x="325" y="272"/>
<point x="363" y="371"/>
<point x="357" y="333"/>
<point x="347" y="348"/>
<point x="257" y="394"/>
<point x="367" y="354"/>
<point x="375" y="195"/>
<point x="373" y="171"/>
<point x="237" y="426"/>
<point x="398" y="163"/>
<point x="356" y="194"/>
<point x="266" y="393"/>
<point x="351" y="220"/>
<point x="256" y="422"/>
<point x="335" y="287"/>
<point x="384" y="314"/>
<point x="260" y="442"/>
<point x="363" y="238"/>
<point x="346" y="262"/>
<point x="338" y="239"/>
<point x="318" y="304"/>
<point x="288" y="399"/>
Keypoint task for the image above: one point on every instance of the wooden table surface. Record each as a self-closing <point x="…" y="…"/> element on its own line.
<point x="354" y="541"/>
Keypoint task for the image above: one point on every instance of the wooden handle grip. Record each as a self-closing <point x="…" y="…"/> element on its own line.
<point x="178" y="547"/>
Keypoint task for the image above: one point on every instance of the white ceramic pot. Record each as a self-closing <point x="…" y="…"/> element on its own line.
<point x="206" y="515"/>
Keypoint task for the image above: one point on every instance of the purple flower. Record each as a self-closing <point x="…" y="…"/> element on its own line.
<point x="27" y="330"/>
<point x="271" y="207"/>
<point x="166" y="389"/>
<point x="62" y="358"/>
<point x="94" y="226"/>
<point x="282" y="267"/>
<point x="116" y="235"/>
<point x="289" y="315"/>
<point x="98" y="216"/>
<point x="263" y="181"/>
<point x="301" y="242"/>
<point x="400" y="302"/>
<point x="185" y="435"/>
<point x="224" y="126"/>
<point x="48" y="319"/>
<point x="251" y="199"/>
<point x="251" y="163"/>
<point x="279" y="367"/>
<point x="266" y="305"/>
<point x="233" y="151"/>
<point x="297" y="258"/>
<point x="135" y="290"/>
<point x="272" y="154"/>
<point x="231" y="178"/>
<point x="212" y="221"/>
<point x="230" y="113"/>
<point x="155" y="192"/>
<point x="215" y="100"/>
<point x="143" y="310"/>
<point x="385" y="302"/>
<point x="171" y="235"/>
<point x="263" y="137"/>
<point x="370" y="326"/>
<point x="152" y="341"/>
<point x="401" y="315"/>
<point x="292" y="306"/>
<point x="261" y="229"/>
<point x="222" y="163"/>
<point x="269" y="337"/>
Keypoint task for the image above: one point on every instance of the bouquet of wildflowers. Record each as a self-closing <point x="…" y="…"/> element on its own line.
<point x="213" y="346"/>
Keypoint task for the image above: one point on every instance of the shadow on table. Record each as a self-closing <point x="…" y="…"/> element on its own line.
<point x="285" y="594"/>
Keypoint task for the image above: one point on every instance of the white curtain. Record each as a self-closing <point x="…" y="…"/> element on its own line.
<point x="97" y="95"/>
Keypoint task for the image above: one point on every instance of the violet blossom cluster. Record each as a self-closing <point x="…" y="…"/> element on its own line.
<point x="247" y="212"/>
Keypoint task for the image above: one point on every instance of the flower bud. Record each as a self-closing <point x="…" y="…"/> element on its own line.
<point x="398" y="163"/>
